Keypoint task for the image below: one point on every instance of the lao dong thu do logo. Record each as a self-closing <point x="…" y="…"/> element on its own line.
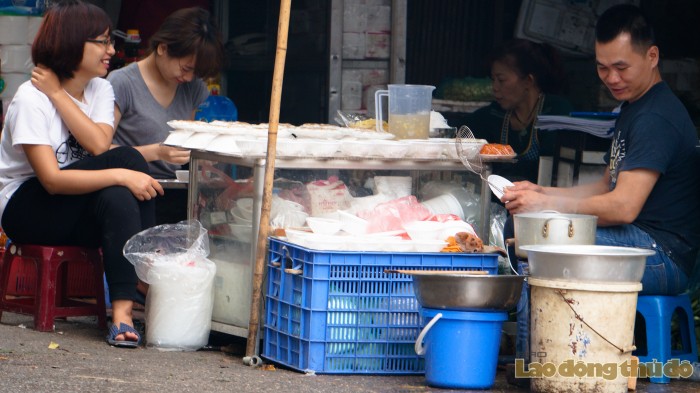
<point x="673" y="368"/>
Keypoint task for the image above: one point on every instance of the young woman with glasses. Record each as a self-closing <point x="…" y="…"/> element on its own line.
<point x="60" y="184"/>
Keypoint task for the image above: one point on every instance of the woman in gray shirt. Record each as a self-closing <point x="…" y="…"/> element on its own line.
<point x="166" y="85"/>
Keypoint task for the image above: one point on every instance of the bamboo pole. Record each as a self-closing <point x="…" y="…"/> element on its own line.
<point x="276" y="96"/>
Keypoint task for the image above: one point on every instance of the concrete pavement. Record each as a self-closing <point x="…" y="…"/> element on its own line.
<point x="83" y="362"/>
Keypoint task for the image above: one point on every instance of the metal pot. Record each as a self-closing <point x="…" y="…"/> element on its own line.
<point x="606" y="264"/>
<point x="549" y="227"/>
<point x="466" y="292"/>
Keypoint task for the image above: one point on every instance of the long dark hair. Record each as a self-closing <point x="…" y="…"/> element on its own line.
<point x="61" y="38"/>
<point x="190" y="31"/>
<point x="540" y="60"/>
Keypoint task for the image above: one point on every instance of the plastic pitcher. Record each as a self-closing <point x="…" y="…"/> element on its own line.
<point x="409" y="110"/>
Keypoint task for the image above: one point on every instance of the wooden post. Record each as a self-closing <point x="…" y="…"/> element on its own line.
<point x="261" y="251"/>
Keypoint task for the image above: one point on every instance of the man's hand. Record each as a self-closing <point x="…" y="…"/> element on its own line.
<point x="524" y="201"/>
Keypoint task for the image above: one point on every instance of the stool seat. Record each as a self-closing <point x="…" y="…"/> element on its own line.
<point x="45" y="281"/>
<point x="657" y="312"/>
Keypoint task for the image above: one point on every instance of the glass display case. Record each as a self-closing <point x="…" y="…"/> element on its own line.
<point x="225" y="195"/>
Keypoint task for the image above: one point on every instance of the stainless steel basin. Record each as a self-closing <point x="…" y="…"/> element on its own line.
<point x="465" y="292"/>
<point x="592" y="263"/>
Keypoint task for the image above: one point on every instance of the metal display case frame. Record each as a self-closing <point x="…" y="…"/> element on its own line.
<point x="257" y="164"/>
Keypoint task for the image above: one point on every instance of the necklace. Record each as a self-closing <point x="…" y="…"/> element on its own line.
<point x="529" y="116"/>
<point x="505" y="128"/>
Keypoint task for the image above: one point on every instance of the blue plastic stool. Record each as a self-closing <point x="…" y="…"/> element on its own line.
<point x="657" y="312"/>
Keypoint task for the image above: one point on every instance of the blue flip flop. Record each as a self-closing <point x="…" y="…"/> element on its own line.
<point x="113" y="332"/>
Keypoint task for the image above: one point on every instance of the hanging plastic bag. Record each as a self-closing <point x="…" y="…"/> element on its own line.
<point x="172" y="259"/>
<point x="392" y="215"/>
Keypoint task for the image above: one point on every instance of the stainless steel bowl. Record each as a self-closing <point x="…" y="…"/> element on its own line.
<point x="592" y="263"/>
<point x="465" y="292"/>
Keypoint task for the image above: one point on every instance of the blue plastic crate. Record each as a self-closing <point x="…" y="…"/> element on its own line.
<point x="339" y="312"/>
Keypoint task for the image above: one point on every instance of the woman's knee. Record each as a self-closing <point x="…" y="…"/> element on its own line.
<point x="130" y="158"/>
<point x="117" y="200"/>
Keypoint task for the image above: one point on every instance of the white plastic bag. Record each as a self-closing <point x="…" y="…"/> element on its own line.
<point x="171" y="258"/>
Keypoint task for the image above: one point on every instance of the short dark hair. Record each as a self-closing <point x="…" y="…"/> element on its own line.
<point x="526" y="57"/>
<point x="61" y="38"/>
<point x="625" y="18"/>
<point x="190" y="31"/>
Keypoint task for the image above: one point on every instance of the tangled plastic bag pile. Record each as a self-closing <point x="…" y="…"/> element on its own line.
<point x="172" y="259"/>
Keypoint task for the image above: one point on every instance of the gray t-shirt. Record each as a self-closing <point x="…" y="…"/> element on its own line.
<point x="144" y="120"/>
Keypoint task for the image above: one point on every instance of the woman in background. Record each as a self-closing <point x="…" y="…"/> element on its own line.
<point x="60" y="184"/>
<point x="166" y="85"/>
<point x="526" y="77"/>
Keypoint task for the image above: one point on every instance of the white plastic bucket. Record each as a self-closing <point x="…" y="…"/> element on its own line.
<point x="179" y="304"/>
<point x="580" y="334"/>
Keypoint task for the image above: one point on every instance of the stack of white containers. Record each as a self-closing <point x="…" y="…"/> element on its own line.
<point x="17" y="33"/>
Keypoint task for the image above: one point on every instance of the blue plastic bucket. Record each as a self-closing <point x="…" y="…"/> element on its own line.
<point x="460" y="347"/>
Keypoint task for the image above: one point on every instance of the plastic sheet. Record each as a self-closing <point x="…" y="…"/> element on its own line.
<point x="392" y="215"/>
<point x="172" y="259"/>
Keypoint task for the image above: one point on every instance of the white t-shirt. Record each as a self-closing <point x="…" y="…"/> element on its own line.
<point x="33" y="120"/>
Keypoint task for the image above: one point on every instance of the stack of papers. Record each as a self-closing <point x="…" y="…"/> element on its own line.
<point x="602" y="127"/>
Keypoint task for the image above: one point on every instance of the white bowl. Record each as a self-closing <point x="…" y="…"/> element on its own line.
<point x="324" y="226"/>
<point x="428" y="149"/>
<point x="325" y="242"/>
<point x="291" y="148"/>
<point x="424" y="230"/>
<point x="470" y="148"/>
<point x="245" y="207"/>
<point x="359" y="148"/>
<point x="252" y="147"/>
<point x="397" y="244"/>
<point x="444" y="204"/>
<point x="428" y="245"/>
<point x="242" y="232"/>
<point x="296" y="236"/>
<point x="182" y="176"/>
<point x="326" y="149"/>
<point x="352" y="224"/>
<point x="390" y="149"/>
<point x="238" y="218"/>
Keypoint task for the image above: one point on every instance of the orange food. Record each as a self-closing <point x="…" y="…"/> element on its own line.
<point x="497" y="149"/>
<point x="451" y="246"/>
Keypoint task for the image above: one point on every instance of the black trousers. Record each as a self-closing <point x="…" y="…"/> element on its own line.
<point x="106" y="218"/>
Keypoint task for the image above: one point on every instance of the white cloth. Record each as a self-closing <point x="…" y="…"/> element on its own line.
<point x="33" y="120"/>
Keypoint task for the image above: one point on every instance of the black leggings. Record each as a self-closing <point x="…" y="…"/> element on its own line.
<point x="106" y="218"/>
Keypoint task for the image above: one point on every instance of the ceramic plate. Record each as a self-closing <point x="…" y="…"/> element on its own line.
<point x="496" y="183"/>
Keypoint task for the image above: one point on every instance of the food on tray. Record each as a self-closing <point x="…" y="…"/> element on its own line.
<point x="469" y="242"/>
<point x="497" y="149"/>
<point x="369" y="124"/>
<point x="451" y="246"/>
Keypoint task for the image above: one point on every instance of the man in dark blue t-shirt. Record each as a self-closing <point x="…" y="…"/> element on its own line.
<point x="649" y="194"/>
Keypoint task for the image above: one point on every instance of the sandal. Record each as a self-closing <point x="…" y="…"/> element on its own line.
<point x="113" y="332"/>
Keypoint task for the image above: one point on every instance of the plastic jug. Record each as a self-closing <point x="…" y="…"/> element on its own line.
<point x="409" y="110"/>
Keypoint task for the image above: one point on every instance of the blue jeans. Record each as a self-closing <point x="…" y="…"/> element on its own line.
<point x="661" y="275"/>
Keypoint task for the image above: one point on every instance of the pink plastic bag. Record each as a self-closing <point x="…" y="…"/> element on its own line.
<point x="392" y="215"/>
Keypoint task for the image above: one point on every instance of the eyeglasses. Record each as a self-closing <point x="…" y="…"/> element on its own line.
<point x="107" y="42"/>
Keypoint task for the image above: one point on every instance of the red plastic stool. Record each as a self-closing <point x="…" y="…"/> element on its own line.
<point x="60" y="272"/>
